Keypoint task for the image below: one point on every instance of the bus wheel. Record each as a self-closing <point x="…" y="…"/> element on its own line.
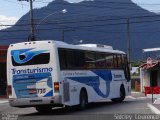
<point x="83" y="100"/>
<point x="43" y="109"/>
<point x="122" y="95"/>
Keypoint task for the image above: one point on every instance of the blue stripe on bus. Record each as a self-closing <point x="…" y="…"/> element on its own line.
<point x="20" y="83"/>
<point x="104" y="74"/>
<point x="94" y="81"/>
<point x="31" y="76"/>
<point x="27" y="53"/>
<point x="50" y="93"/>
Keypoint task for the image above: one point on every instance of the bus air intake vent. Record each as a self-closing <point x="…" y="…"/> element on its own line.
<point x="66" y="94"/>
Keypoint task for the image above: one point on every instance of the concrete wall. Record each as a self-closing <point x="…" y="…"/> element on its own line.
<point x="144" y="78"/>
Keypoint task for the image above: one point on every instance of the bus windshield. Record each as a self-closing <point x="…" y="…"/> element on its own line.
<point x="42" y="58"/>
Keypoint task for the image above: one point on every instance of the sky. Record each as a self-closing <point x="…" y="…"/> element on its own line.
<point x="12" y="10"/>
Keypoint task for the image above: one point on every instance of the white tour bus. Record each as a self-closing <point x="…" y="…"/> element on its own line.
<point x="45" y="74"/>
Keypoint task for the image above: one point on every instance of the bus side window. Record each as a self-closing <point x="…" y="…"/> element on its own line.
<point x="89" y="59"/>
<point x="119" y="61"/>
<point x="123" y="62"/>
<point x="100" y="62"/>
<point x="62" y="58"/>
<point x="70" y="59"/>
<point x="109" y="61"/>
<point x="79" y="58"/>
<point x="126" y="68"/>
<point x="115" y="61"/>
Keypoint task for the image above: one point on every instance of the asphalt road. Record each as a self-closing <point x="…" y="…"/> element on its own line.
<point x="95" y="111"/>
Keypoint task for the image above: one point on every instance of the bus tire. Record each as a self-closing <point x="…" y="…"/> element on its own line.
<point x="122" y="95"/>
<point x="43" y="109"/>
<point x="83" y="100"/>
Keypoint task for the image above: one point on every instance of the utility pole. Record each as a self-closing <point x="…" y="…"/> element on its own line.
<point x="63" y="31"/>
<point x="128" y="42"/>
<point x="31" y="20"/>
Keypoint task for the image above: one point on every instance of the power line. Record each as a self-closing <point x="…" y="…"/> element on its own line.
<point x="83" y="5"/>
<point x="92" y="20"/>
<point x="96" y="20"/>
<point x="117" y="2"/>
<point x="12" y="38"/>
<point x="115" y="17"/>
<point x="113" y="32"/>
<point x="77" y="14"/>
<point x="92" y="6"/>
<point x="126" y="3"/>
<point x="14" y="2"/>
<point x="103" y="6"/>
<point x="31" y="19"/>
<point x="79" y="27"/>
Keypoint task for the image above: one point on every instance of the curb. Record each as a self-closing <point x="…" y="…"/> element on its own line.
<point x="3" y="101"/>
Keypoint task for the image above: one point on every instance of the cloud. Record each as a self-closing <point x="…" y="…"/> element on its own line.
<point x="7" y="20"/>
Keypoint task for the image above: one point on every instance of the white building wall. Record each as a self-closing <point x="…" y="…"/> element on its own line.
<point x="145" y="78"/>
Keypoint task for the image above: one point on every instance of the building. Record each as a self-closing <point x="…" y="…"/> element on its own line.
<point x="150" y="72"/>
<point x="135" y="79"/>
<point x="3" y="75"/>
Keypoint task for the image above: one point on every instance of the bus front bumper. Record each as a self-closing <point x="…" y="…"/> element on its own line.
<point x="32" y="102"/>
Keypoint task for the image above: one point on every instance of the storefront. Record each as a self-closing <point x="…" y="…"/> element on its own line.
<point x="150" y="72"/>
<point x="3" y="76"/>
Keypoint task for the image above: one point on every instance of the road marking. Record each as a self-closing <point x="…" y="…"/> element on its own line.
<point x="153" y="109"/>
<point x="157" y="101"/>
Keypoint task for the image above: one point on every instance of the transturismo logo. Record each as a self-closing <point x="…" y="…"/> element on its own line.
<point x="31" y="71"/>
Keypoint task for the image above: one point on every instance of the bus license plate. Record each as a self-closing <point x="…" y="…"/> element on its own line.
<point x="37" y="91"/>
<point x="41" y="91"/>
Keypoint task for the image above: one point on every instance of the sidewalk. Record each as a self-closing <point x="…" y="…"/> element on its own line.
<point x="137" y="94"/>
<point x="3" y="101"/>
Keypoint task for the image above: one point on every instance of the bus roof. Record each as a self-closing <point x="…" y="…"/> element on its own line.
<point x="92" y="47"/>
<point x="60" y="44"/>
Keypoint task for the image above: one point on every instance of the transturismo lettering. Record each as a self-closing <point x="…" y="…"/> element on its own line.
<point x="31" y="71"/>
